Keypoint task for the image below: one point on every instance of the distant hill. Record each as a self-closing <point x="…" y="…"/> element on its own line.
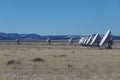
<point x="14" y="36"/>
<point x="116" y="37"/>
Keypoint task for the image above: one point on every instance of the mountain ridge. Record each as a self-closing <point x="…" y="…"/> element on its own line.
<point x="14" y="36"/>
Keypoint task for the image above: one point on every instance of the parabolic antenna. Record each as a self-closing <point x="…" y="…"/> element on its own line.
<point x="95" y="39"/>
<point x="86" y="38"/>
<point x="81" y="40"/>
<point x="106" y="38"/>
<point x="48" y="41"/>
<point x="89" y="40"/>
<point x="70" y="40"/>
<point x="84" y="41"/>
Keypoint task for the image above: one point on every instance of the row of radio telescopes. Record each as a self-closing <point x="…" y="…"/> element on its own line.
<point x="94" y="40"/>
<point x="97" y="40"/>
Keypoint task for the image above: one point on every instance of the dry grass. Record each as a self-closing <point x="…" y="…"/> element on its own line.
<point x="58" y="63"/>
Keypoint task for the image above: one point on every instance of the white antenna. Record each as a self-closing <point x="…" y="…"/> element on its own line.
<point x="106" y="38"/>
<point x="48" y="41"/>
<point x="95" y="40"/>
<point x="70" y="41"/>
<point x="86" y="38"/>
<point x="81" y="40"/>
<point x="89" y="40"/>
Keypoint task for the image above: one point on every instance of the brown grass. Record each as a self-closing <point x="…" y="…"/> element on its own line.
<point x="58" y="63"/>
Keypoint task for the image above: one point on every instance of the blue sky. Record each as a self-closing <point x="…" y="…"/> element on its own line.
<point x="60" y="17"/>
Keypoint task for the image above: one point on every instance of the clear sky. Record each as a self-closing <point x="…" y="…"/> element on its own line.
<point x="60" y="17"/>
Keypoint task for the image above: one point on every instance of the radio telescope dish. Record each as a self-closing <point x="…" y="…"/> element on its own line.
<point x="106" y="38"/>
<point x="86" y="38"/>
<point x="70" y="41"/>
<point x="48" y="41"/>
<point x="95" y="40"/>
<point x="81" y="40"/>
<point x="89" y="40"/>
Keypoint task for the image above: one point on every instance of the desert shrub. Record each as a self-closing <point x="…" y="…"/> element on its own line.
<point x="69" y="65"/>
<point x="11" y="62"/>
<point x="60" y="55"/>
<point x="38" y="60"/>
<point x="73" y="52"/>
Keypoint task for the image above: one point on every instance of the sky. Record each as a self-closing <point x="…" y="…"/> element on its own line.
<point x="60" y="17"/>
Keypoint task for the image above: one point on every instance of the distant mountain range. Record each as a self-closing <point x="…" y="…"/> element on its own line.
<point x="14" y="36"/>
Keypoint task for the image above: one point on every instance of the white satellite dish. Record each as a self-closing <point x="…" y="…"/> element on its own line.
<point x="95" y="39"/>
<point x="70" y="41"/>
<point x="106" y="38"/>
<point x="89" y="40"/>
<point x="86" y="38"/>
<point x="81" y="40"/>
<point x="48" y="41"/>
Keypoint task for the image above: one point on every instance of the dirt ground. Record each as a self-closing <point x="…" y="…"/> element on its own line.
<point x="58" y="62"/>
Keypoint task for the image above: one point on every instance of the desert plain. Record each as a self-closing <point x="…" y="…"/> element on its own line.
<point x="39" y="61"/>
